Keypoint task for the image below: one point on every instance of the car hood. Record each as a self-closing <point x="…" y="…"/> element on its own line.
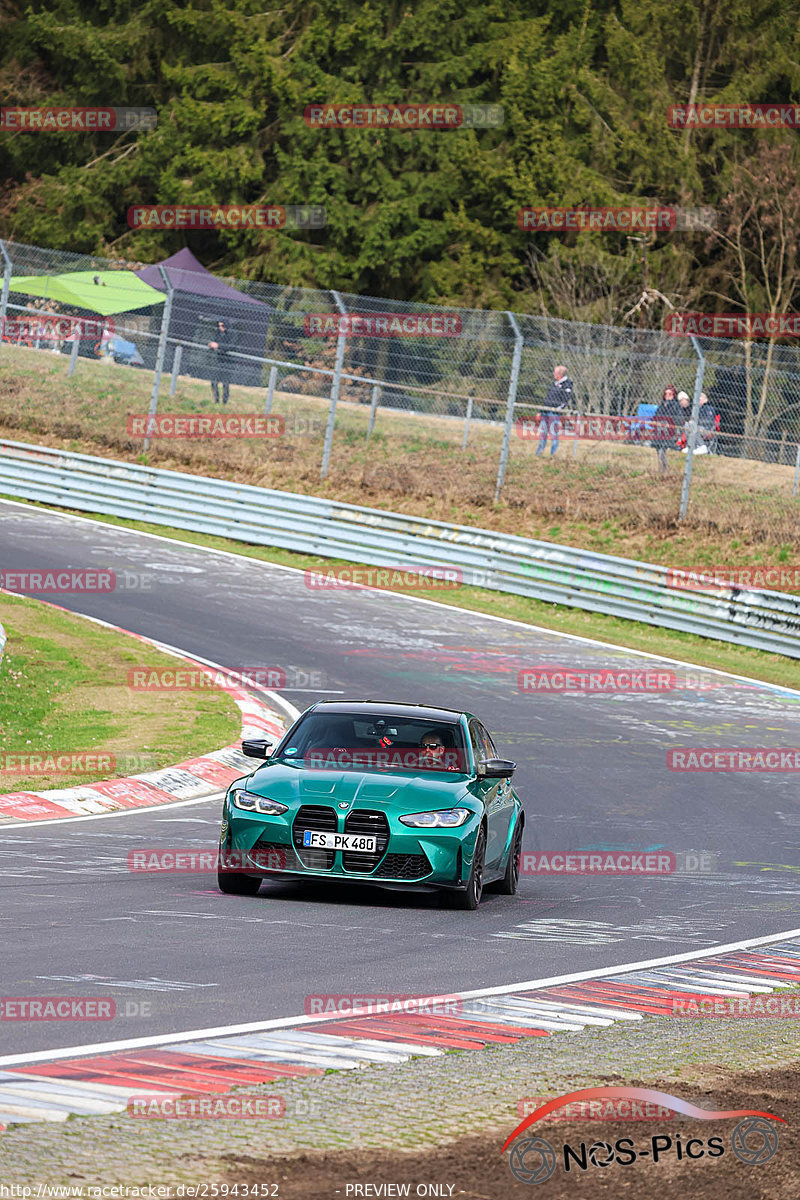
<point x="402" y="790"/>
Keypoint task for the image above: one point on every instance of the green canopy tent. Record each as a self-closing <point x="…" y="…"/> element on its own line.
<point x="103" y="292"/>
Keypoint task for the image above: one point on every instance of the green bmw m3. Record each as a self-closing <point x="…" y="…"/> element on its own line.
<point x="380" y="793"/>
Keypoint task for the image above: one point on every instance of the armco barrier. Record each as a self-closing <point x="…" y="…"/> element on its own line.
<point x="620" y="587"/>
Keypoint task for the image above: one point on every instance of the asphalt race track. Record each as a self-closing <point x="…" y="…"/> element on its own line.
<point x="178" y="955"/>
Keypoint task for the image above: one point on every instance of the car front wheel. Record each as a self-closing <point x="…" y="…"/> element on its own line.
<point x="508" y="885"/>
<point x="232" y="883"/>
<point x="470" y="898"/>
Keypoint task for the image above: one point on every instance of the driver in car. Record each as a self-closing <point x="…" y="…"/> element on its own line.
<point x="432" y="752"/>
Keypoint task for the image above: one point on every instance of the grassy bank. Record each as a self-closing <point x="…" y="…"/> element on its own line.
<point x="64" y="690"/>
<point x="602" y="496"/>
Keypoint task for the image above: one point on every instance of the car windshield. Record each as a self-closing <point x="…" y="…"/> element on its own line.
<point x="333" y="741"/>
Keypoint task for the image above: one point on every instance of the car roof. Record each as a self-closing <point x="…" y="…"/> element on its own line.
<point x="389" y="708"/>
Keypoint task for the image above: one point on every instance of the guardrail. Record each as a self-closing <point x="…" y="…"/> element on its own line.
<point x="620" y="587"/>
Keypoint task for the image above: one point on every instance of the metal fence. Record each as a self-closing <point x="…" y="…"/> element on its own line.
<point x="454" y="394"/>
<point x="603" y="583"/>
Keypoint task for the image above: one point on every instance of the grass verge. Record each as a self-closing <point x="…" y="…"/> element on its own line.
<point x="64" y="691"/>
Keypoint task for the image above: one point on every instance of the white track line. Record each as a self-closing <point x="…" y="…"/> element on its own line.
<point x="167" y="806"/>
<point x="170" y="1039"/>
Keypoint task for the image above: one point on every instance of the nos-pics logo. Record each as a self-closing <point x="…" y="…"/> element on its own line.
<point x="533" y="1159"/>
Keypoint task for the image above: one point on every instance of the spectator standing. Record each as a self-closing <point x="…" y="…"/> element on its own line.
<point x="58" y="328"/>
<point x="706" y="442"/>
<point x="107" y="343"/>
<point x="557" y="401"/>
<point x="47" y="325"/>
<point x="221" y="365"/>
<point x="686" y="411"/>
<point x="667" y="420"/>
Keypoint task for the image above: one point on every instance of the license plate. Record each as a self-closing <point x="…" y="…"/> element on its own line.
<point x="339" y="841"/>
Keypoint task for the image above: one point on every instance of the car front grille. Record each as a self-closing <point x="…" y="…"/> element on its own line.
<point x="270" y="856"/>
<point x="404" y="867"/>
<point x="320" y="819"/>
<point x="371" y="824"/>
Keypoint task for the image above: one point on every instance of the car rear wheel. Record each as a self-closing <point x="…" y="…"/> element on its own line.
<point x="508" y="885"/>
<point x="470" y="898"/>
<point x="232" y="883"/>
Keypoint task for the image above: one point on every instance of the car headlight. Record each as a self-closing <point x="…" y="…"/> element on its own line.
<point x="444" y="818"/>
<point x="260" y="804"/>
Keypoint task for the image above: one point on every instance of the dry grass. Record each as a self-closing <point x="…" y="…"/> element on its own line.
<point x="602" y="496"/>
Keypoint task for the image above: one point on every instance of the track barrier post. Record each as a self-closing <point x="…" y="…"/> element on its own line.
<point x="373" y="409"/>
<point x="73" y="357"/>
<point x="467" y="421"/>
<point x="5" y="291"/>
<point x="176" y="369"/>
<point x="337" y="379"/>
<point x="162" y="349"/>
<point x="510" y="403"/>
<point x="691" y="440"/>
<point x="273" y="378"/>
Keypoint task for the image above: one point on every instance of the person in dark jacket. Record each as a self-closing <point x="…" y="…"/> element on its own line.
<point x="221" y="366"/>
<point x="668" y="420"/>
<point x="706" y="442"/>
<point x="557" y="401"/>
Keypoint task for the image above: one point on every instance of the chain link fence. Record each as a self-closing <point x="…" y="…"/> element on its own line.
<point x="400" y="397"/>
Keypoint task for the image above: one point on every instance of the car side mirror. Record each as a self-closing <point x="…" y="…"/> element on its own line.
<point x="256" y="748"/>
<point x="497" y="768"/>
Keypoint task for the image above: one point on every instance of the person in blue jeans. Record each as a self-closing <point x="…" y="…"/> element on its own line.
<point x="557" y="401"/>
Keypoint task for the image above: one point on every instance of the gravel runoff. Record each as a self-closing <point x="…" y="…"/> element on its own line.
<point x="423" y="1102"/>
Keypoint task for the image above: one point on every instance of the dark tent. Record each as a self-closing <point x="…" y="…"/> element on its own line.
<point x="200" y="300"/>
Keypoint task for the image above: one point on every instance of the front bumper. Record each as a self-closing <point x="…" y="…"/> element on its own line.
<point x="269" y="846"/>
